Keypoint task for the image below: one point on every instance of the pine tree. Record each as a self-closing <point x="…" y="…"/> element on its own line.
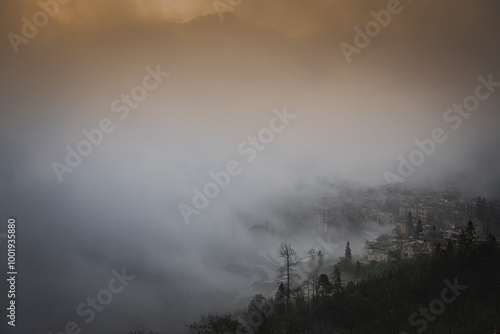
<point x="357" y="271"/>
<point x="419" y="228"/>
<point x="325" y="286"/>
<point x="468" y="237"/>
<point x="336" y="279"/>
<point x="348" y="253"/>
<point x="409" y="224"/>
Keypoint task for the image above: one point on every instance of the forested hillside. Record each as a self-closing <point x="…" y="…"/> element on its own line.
<point x="453" y="290"/>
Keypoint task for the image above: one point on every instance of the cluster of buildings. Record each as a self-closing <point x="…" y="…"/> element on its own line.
<point x="436" y="216"/>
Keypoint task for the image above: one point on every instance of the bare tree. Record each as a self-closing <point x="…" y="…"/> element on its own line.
<point x="287" y="273"/>
<point x="315" y="265"/>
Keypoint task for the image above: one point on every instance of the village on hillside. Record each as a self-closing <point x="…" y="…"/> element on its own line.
<point x="416" y="222"/>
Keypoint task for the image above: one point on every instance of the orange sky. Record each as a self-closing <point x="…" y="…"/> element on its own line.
<point x="293" y="17"/>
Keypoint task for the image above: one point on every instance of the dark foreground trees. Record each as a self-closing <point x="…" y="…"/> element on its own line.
<point x="214" y="324"/>
<point x="453" y="290"/>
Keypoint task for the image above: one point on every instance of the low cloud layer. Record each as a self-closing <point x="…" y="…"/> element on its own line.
<point x="120" y="206"/>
